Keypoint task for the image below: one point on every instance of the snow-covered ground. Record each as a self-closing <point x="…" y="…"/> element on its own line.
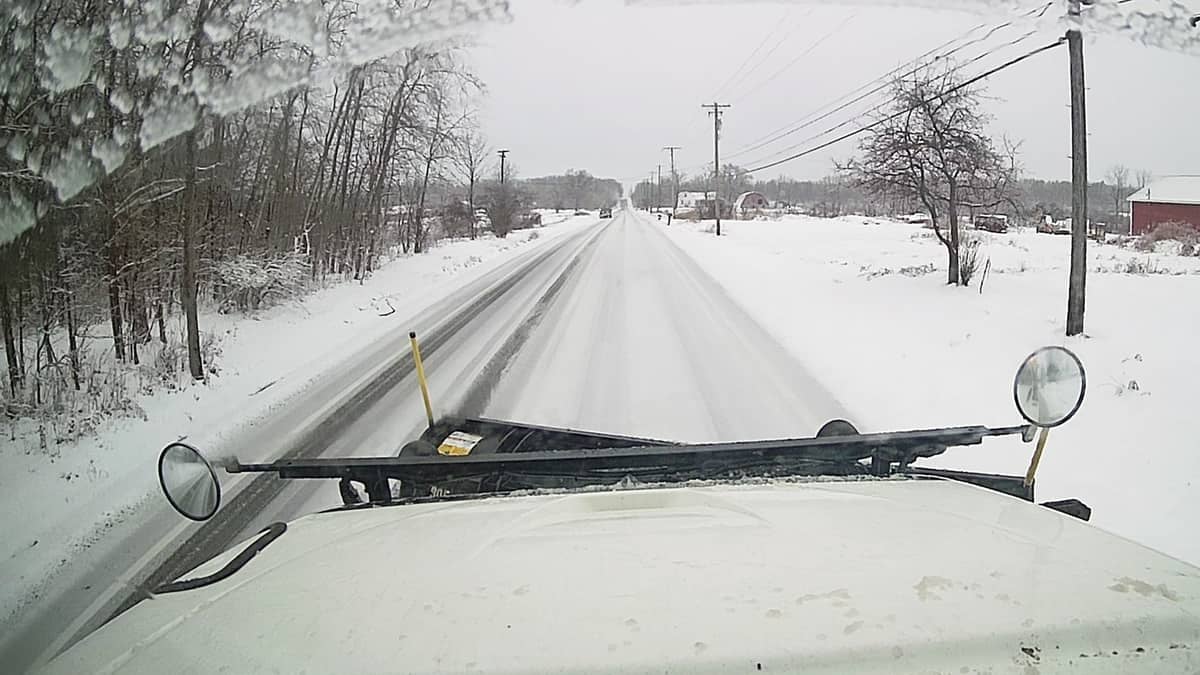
<point x="863" y="304"/>
<point x="75" y="493"/>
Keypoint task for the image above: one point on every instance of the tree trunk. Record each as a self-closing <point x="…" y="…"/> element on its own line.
<point x="138" y="329"/>
<point x="10" y="347"/>
<point x="114" y="315"/>
<point x="72" y="342"/>
<point x="952" y="214"/>
<point x="21" y="333"/>
<point x="187" y="290"/>
<point x="47" y="310"/>
<point x="136" y="305"/>
<point x="158" y="312"/>
<point x="471" y="204"/>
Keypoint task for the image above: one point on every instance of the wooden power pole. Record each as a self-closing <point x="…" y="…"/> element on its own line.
<point x="674" y="178"/>
<point x="658" y="190"/>
<point x="503" y="154"/>
<point x="716" y="115"/>
<point x="1079" y="180"/>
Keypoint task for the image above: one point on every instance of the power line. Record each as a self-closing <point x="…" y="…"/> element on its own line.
<point x="883" y="80"/>
<point x="802" y="54"/>
<point x="1011" y="62"/>
<point x="778" y="25"/>
<point x="879" y="106"/>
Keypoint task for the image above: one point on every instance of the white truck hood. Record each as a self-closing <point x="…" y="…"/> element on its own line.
<point x="835" y="577"/>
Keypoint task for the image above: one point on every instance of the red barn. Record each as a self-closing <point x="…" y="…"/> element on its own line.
<point x="1173" y="199"/>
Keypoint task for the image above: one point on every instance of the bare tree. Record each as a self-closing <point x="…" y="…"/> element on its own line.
<point x="1143" y="178"/>
<point x="1117" y="180"/>
<point x="577" y="184"/>
<point x="472" y="151"/>
<point x="930" y="146"/>
<point x="504" y="202"/>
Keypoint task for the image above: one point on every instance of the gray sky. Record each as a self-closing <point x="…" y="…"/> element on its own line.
<point x="603" y="86"/>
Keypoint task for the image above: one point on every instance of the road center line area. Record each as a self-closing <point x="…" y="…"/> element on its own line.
<point x="611" y="329"/>
<point x="642" y="342"/>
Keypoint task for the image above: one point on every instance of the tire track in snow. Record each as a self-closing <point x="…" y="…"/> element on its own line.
<point x="480" y="395"/>
<point x="644" y="343"/>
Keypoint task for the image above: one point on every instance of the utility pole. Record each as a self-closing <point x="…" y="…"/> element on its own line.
<point x="716" y="115"/>
<point x="658" y="190"/>
<point x="674" y="178"/>
<point x="503" y="154"/>
<point x="1079" y="211"/>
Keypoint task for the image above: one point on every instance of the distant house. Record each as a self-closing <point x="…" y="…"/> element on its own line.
<point x="1172" y="199"/>
<point x="748" y="203"/>
<point x="691" y="200"/>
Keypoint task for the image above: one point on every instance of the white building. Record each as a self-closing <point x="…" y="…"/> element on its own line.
<point x="691" y="200"/>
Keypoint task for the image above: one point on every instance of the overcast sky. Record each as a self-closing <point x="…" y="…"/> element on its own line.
<point x="602" y="85"/>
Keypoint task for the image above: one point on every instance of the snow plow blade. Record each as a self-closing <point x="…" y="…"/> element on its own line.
<point x="458" y="436"/>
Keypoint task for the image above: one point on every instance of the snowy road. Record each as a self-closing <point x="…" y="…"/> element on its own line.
<point x="611" y="328"/>
<point x="642" y="342"/>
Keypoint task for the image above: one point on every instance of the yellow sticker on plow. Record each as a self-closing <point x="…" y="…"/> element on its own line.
<point x="459" y="444"/>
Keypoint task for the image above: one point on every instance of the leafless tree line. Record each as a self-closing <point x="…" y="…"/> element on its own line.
<point x="155" y="188"/>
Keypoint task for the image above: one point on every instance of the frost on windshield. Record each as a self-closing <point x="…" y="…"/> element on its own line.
<point x="87" y="88"/>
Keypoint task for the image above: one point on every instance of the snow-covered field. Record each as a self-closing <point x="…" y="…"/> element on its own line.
<point x="863" y="304"/>
<point x="61" y="500"/>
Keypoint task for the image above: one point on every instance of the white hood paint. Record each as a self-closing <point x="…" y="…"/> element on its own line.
<point x="867" y="576"/>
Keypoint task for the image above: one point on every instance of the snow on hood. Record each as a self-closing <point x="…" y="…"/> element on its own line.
<point x="862" y="576"/>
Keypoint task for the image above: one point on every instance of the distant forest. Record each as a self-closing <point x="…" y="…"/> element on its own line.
<point x="572" y="190"/>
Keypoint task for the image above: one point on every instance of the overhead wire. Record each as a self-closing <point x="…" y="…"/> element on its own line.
<point x="795" y="60"/>
<point x="880" y="83"/>
<point x="771" y="33"/>
<point x="1007" y="64"/>
<point x="883" y="81"/>
<point x="782" y="23"/>
<point x="879" y="106"/>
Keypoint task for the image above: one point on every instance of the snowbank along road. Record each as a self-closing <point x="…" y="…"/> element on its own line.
<point x="611" y="328"/>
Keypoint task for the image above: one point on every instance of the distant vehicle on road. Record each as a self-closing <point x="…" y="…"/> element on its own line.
<point x="992" y="223"/>
<point x="606" y="212"/>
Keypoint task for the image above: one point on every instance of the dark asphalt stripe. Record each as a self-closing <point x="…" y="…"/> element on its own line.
<point x="476" y="401"/>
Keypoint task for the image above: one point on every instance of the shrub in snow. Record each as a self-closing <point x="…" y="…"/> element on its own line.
<point x="867" y="272"/>
<point x="968" y="256"/>
<point x="245" y="282"/>
<point x="1136" y="266"/>
<point x="1170" y="239"/>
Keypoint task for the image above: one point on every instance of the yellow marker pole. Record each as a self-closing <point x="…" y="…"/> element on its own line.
<point x="416" y="349"/>
<point x="1037" y="456"/>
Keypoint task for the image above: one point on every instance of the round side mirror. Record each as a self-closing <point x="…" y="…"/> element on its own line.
<point x="188" y="481"/>
<point x="1049" y="386"/>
